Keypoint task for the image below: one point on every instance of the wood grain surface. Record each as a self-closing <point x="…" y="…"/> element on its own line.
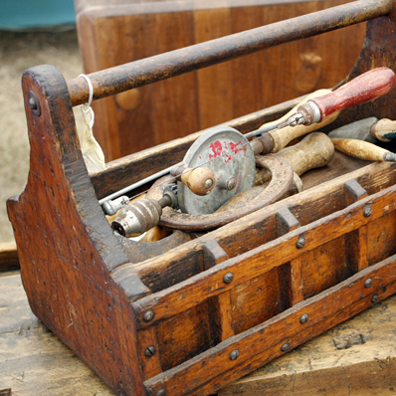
<point x="146" y="116"/>
<point x="33" y="360"/>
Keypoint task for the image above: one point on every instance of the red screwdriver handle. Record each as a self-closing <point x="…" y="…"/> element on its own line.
<point x="368" y="86"/>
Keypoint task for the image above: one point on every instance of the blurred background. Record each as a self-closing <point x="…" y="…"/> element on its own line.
<point x="31" y="34"/>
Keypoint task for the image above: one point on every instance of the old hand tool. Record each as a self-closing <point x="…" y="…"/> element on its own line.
<point x="199" y="180"/>
<point x="363" y="150"/>
<point x="368" y="129"/>
<point x="226" y="153"/>
<point x="275" y="139"/>
<point x="314" y="151"/>
<point x="364" y="88"/>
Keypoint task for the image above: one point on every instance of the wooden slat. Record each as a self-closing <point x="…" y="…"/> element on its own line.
<point x="260" y="260"/>
<point x="325" y="310"/>
<point x="257" y="228"/>
<point x="356" y="241"/>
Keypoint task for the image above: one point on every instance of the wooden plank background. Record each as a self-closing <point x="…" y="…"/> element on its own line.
<point x="117" y="32"/>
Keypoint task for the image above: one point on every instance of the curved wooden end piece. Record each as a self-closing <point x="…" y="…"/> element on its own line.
<point x="378" y="50"/>
<point x="66" y="247"/>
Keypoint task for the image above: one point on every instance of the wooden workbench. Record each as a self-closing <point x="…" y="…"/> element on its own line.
<point x="357" y="357"/>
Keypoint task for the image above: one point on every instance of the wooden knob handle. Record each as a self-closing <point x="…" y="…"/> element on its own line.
<point x="363" y="150"/>
<point x="364" y="88"/>
<point x="200" y="181"/>
<point x="282" y="137"/>
<point x="360" y="129"/>
<point x="384" y="130"/>
<point x="314" y="151"/>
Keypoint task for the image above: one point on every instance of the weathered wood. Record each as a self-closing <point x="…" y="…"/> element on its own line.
<point x="139" y="73"/>
<point x="325" y="310"/>
<point x="203" y="315"/>
<point x="54" y="294"/>
<point x="110" y="36"/>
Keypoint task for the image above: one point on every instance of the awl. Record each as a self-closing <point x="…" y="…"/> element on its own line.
<point x="364" y="88"/>
<point x="319" y="110"/>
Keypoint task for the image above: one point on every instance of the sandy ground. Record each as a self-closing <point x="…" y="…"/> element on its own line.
<point x="18" y="52"/>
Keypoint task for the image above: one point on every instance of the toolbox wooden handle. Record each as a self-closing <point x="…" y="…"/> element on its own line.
<point x="132" y="75"/>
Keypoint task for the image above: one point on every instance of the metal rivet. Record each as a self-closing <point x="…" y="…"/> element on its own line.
<point x="208" y="183"/>
<point x="368" y="283"/>
<point x="231" y="183"/>
<point x="374" y="299"/>
<point x="285" y="347"/>
<point x="150" y="351"/>
<point x="228" y="277"/>
<point x="234" y="354"/>
<point x="304" y="318"/>
<point x="300" y="242"/>
<point x="367" y="211"/>
<point x="148" y="316"/>
<point x="161" y="392"/>
<point x="34" y="103"/>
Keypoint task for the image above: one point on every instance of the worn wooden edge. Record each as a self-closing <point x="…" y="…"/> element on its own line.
<point x="373" y="174"/>
<point x="8" y="256"/>
<point x="198" y="288"/>
<point x="263" y="342"/>
<point x="142" y="72"/>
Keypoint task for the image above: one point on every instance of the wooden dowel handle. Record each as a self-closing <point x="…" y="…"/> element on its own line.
<point x="363" y="150"/>
<point x="384" y="130"/>
<point x="364" y="88"/>
<point x="200" y="181"/>
<point x="142" y="72"/>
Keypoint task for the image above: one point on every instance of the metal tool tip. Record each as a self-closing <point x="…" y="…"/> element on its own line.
<point x="390" y="157"/>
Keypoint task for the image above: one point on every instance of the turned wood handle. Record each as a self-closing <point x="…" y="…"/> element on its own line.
<point x="200" y="181"/>
<point x="384" y="130"/>
<point x="282" y="137"/>
<point x="314" y="151"/>
<point x="364" y="88"/>
<point x="363" y="150"/>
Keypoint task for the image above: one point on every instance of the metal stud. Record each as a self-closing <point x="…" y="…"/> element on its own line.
<point x="34" y="103"/>
<point x="367" y="211"/>
<point x="304" y="318"/>
<point x="300" y="242"/>
<point x="228" y="278"/>
<point x="374" y="299"/>
<point x="368" y="283"/>
<point x="161" y="392"/>
<point x="150" y="351"/>
<point x="285" y="347"/>
<point x="234" y="355"/>
<point x="148" y="316"/>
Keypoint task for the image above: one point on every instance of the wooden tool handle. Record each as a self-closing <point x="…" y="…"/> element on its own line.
<point x="282" y="137"/>
<point x="384" y="130"/>
<point x="363" y="150"/>
<point x="364" y="88"/>
<point x="314" y="151"/>
<point x="200" y="181"/>
<point x="360" y="129"/>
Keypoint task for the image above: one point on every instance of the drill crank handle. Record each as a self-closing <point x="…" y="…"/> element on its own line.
<point x="364" y="88"/>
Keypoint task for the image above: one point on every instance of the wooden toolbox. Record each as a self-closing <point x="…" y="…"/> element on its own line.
<point x="192" y="312"/>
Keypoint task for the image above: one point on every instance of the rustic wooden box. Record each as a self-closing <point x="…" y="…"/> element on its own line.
<point x="159" y="319"/>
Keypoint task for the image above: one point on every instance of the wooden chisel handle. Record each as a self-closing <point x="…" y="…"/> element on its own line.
<point x="363" y="150"/>
<point x="364" y="88"/>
